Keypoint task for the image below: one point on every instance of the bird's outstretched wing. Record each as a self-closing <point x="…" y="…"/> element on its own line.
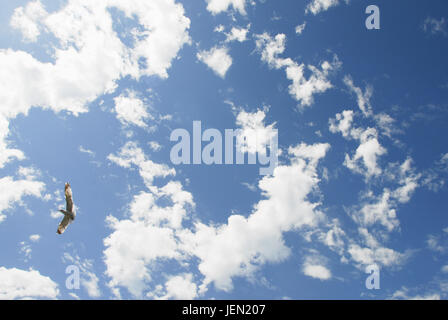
<point x="68" y="198"/>
<point x="64" y="223"/>
<point x="69" y="214"/>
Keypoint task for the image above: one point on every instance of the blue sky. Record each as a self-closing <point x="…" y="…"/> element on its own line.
<point x="92" y="92"/>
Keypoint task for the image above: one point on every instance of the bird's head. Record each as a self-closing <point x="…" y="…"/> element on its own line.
<point x="67" y="185"/>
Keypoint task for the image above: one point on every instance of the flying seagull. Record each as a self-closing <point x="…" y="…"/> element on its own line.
<point x="69" y="212"/>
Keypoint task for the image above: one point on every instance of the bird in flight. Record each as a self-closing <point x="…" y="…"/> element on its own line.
<point x="69" y="212"/>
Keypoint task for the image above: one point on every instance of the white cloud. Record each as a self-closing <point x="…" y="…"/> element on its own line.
<point x="380" y="255"/>
<point x="35" y="237"/>
<point x="238" y="34"/>
<point x="217" y="59"/>
<point x="26" y="20"/>
<point x="131" y="249"/>
<point x="21" y="284"/>
<point x="131" y="110"/>
<point x="270" y="48"/>
<point x="408" y="180"/>
<point x="253" y="128"/>
<point x="302" y="89"/>
<point x="153" y="233"/>
<point x="218" y="6"/>
<point x="434" y="177"/>
<point x="384" y="122"/>
<point x="387" y="124"/>
<point x="317" y="271"/>
<point x="251" y="187"/>
<point x="365" y="159"/>
<point x="382" y="209"/>
<point x="131" y="154"/>
<point x="89" y="58"/>
<point x="12" y="191"/>
<point x="299" y="29"/>
<point x="164" y="32"/>
<point x="403" y="294"/>
<point x="382" y="212"/>
<point x="363" y="98"/>
<point x="29" y="173"/>
<point x="334" y="237"/>
<point x="219" y="28"/>
<point x="369" y="250"/>
<point x="55" y="215"/>
<point x="147" y="236"/>
<point x="74" y="296"/>
<point x="26" y="250"/>
<point x="342" y="123"/>
<point x="225" y="251"/>
<point x="368" y="151"/>
<point x="180" y="287"/>
<point x="7" y="153"/>
<point x="444" y="159"/>
<point x="314" y="268"/>
<point x="434" y="244"/>
<point x="87" y="151"/>
<point x="150" y="232"/>
<point x="317" y="6"/>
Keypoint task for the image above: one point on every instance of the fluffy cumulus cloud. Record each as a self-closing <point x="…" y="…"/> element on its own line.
<point x="317" y="271"/>
<point x="380" y="211"/>
<point x="237" y="34"/>
<point x="342" y="123"/>
<point x="12" y="192"/>
<point x="218" y="6"/>
<point x="255" y="135"/>
<point x="367" y="153"/>
<point x="26" y="20"/>
<point x="314" y="267"/>
<point x="334" y="238"/>
<point x="178" y="287"/>
<point x="302" y="88"/>
<point x="149" y="234"/>
<point x="368" y="256"/>
<point x="217" y="59"/>
<point x="131" y="110"/>
<point x="317" y="6"/>
<point x="26" y="284"/>
<point x="225" y="251"/>
<point x="152" y="233"/>
<point x="89" y="57"/>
